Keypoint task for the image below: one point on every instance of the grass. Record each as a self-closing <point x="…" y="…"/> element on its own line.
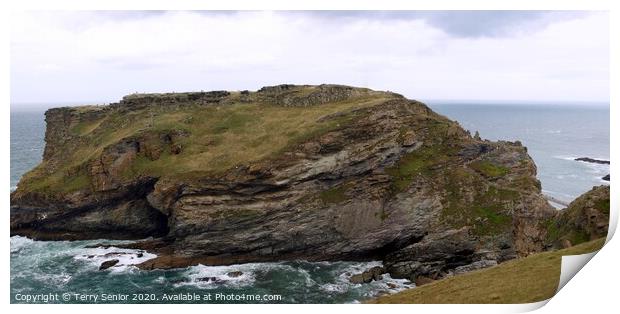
<point x="602" y="205"/>
<point x="489" y="169"/>
<point x="525" y="280"/>
<point x="488" y="211"/>
<point x="572" y="224"/>
<point x="557" y="230"/>
<point x="492" y="218"/>
<point x="219" y="137"/>
<point x="420" y="162"/>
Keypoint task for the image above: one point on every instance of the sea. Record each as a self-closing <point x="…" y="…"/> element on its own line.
<point x="68" y="271"/>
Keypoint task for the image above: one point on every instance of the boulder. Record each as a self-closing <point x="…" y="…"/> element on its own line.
<point x="374" y="273"/>
<point x="108" y="264"/>
<point x="234" y="274"/>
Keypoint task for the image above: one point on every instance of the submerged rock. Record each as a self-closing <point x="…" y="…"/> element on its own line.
<point x="211" y="279"/>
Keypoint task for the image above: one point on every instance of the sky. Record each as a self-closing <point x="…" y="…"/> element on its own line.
<point x="78" y="57"/>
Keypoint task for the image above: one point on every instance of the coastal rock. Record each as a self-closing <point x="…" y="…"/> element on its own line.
<point x="107" y="264"/>
<point x="367" y="276"/>
<point x="432" y="256"/>
<point x="585" y="219"/>
<point x="606" y="178"/>
<point x="592" y="160"/>
<point x="234" y="274"/>
<point x="211" y="279"/>
<point x="289" y="172"/>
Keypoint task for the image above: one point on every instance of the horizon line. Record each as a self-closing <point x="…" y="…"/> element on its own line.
<point x="465" y="101"/>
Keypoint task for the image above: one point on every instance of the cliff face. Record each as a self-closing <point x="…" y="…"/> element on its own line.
<point x="315" y="172"/>
<point x="585" y="219"/>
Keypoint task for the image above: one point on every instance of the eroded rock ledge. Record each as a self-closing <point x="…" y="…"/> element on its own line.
<point x="323" y="172"/>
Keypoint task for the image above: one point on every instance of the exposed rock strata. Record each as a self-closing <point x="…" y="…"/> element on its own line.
<point x="391" y="180"/>
<point x="585" y="219"/>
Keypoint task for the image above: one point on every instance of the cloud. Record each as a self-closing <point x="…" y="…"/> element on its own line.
<point x="95" y="56"/>
<point x="470" y="24"/>
<point x="455" y="23"/>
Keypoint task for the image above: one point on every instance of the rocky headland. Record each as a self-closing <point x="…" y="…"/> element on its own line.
<point x="324" y="172"/>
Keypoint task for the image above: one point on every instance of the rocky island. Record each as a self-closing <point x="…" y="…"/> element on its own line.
<point x="324" y="172"/>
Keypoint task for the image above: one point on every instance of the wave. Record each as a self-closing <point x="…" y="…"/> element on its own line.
<point x="67" y="265"/>
<point x="209" y="277"/>
<point x="127" y="258"/>
<point x="19" y="242"/>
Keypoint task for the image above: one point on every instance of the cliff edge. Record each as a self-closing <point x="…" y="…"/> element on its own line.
<point x="324" y="172"/>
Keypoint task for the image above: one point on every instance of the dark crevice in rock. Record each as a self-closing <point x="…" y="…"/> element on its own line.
<point x="54" y="223"/>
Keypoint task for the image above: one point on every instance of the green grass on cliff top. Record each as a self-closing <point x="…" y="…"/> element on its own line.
<point x="525" y="280"/>
<point x="219" y="137"/>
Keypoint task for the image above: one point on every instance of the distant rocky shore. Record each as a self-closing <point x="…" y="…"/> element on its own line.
<point x="596" y="161"/>
<point x="592" y="160"/>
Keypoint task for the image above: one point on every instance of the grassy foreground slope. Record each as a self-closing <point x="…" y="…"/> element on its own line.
<point x="526" y="280"/>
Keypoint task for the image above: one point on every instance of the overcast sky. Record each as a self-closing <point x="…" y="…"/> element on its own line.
<point x="485" y="55"/>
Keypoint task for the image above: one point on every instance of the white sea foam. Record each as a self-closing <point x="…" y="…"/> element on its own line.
<point x="200" y="275"/>
<point x="564" y="157"/>
<point x="342" y="283"/>
<point x="31" y="260"/>
<point x="19" y="242"/>
<point x="127" y="258"/>
<point x="60" y="279"/>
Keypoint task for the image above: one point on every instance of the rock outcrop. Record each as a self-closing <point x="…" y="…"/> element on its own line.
<point x="323" y="172"/>
<point x="375" y="273"/>
<point x="107" y="264"/>
<point x="592" y="160"/>
<point x="585" y="219"/>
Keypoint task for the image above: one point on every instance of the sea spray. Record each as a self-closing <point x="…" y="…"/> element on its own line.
<point x="59" y="267"/>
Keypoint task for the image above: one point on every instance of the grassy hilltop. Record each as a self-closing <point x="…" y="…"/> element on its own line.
<point x="209" y="139"/>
